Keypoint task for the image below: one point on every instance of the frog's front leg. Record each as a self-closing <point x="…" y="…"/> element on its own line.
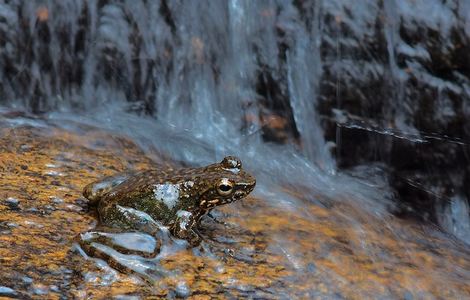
<point x="183" y="227"/>
<point x="115" y="215"/>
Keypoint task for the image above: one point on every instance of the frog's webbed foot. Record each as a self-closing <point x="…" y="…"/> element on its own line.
<point x="183" y="228"/>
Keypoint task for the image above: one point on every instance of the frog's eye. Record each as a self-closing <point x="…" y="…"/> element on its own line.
<point x="224" y="187"/>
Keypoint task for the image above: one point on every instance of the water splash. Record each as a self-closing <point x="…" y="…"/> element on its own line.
<point x="291" y="169"/>
<point x="190" y="65"/>
<point x="455" y="218"/>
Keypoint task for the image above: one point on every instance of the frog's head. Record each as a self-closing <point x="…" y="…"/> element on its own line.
<point x="225" y="182"/>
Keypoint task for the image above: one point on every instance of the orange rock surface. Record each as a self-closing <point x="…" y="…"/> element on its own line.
<point x="263" y="249"/>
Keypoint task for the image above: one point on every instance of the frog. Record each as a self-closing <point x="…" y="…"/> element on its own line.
<point x="174" y="198"/>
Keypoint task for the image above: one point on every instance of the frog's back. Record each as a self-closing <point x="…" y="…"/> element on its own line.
<point x="96" y="190"/>
<point x="139" y="184"/>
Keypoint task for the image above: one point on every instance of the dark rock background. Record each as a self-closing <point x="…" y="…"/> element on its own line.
<point x="401" y="85"/>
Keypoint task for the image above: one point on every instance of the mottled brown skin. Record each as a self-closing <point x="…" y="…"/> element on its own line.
<point x="173" y="198"/>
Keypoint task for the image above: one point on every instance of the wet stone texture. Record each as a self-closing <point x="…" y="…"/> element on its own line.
<point x="257" y="248"/>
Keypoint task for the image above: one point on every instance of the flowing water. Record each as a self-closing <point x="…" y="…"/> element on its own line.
<point x="180" y="79"/>
<point x="195" y="67"/>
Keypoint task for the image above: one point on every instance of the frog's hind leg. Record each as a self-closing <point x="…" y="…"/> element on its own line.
<point x="107" y="236"/>
<point x="95" y="190"/>
<point x="105" y="244"/>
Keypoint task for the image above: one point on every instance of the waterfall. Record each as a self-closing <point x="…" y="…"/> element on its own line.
<point x="193" y="65"/>
<point x="190" y="72"/>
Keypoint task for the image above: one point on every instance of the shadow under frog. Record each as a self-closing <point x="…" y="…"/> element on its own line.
<point x="175" y="199"/>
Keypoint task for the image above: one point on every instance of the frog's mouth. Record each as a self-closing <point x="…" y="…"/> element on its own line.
<point x="238" y="195"/>
<point x="242" y="193"/>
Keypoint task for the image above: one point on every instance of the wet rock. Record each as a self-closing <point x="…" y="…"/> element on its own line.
<point x="271" y="249"/>
<point x="311" y="268"/>
<point x="27" y="280"/>
<point x="40" y="289"/>
<point x="400" y="74"/>
<point x="6" y="291"/>
<point x="182" y="290"/>
<point x="56" y="200"/>
<point x="13" y="203"/>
